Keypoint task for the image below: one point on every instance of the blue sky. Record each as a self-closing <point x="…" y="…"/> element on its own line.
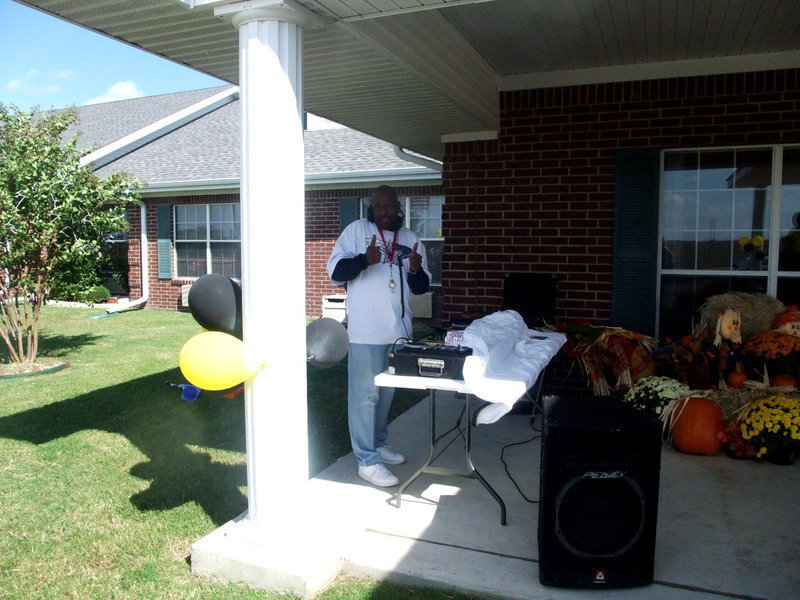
<point x="50" y="63"/>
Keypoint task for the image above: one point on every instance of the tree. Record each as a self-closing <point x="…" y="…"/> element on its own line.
<point x="53" y="212"/>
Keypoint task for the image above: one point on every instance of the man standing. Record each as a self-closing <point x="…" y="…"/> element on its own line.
<point x="382" y="263"/>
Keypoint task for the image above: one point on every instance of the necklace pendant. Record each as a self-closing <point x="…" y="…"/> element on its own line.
<point x="392" y="284"/>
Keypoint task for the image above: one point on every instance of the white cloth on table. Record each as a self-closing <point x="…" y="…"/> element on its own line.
<point x="506" y="360"/>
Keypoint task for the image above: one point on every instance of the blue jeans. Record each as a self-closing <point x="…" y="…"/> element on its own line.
<point x="367" y="404"/>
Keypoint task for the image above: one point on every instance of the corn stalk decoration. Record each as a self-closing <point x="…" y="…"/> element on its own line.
<point x="52" y="212"/>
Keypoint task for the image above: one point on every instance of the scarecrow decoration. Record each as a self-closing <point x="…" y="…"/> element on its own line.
<point x="789" y="321"/>
<point x="729" y="325"/>
<point x="613" y="358"/>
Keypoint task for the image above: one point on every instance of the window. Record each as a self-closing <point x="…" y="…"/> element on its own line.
<point x="727" y="224"/>
<point x="207" y="240"/>
<point x="423" y="217"/>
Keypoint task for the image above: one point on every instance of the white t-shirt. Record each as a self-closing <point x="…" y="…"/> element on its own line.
<point x="373" y="305"/>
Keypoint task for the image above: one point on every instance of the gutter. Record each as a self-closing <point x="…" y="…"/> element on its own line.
<point x="400" y="152"/>
<point x="348" y="179"/>
<point x="145" y="267"/>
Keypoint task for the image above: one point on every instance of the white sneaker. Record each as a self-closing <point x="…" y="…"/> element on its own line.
<point x="378" y="475"/>
<point x="390" y="457"/>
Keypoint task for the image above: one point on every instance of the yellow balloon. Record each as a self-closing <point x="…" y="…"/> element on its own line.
<point x="213" y="360"/>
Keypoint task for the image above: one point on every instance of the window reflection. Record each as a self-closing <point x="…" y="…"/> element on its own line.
<point x="790" y="212"/>
<point x="712" y="200"/>
<point x="716" y="210"/>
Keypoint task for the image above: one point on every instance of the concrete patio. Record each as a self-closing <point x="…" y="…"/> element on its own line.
<point x="726" y="528"/>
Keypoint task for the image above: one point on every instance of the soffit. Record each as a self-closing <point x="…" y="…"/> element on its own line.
<point x="410" y="71"/>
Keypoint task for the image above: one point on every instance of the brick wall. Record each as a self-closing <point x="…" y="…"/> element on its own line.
<point x="540" y="197"/>
<point x="322" y="230"/>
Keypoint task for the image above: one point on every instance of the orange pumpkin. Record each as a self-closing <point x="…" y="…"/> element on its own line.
<point x="735" y="379"/>
<point x="785" y="380"/>
<point x="697" y="426"/>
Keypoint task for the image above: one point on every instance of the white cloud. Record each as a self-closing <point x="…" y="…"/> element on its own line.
<point x="314" y="123"/>
<point x="36" y="83"/>
<point x="122" y="90"/>
<point x="23" y="82"/>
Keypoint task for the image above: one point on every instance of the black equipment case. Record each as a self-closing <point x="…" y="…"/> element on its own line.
<point x="423" y="360"/>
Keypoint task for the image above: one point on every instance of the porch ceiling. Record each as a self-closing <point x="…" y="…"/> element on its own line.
<point x="412" y="71"/>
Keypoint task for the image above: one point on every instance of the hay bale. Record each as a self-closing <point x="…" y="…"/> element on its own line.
<point x="758" y="312"/>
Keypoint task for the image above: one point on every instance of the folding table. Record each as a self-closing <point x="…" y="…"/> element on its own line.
<point x="435" y="384"/>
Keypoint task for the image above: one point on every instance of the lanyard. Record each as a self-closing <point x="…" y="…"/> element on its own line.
<point x="389" y="252"/>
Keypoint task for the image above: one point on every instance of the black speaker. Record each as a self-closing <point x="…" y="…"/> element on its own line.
<point x="598" y="497"/>
<point x="532" y="295"/>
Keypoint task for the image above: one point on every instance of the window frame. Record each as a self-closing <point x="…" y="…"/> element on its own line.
<point x="772" y="273"/>
<point x="206" y="240"/>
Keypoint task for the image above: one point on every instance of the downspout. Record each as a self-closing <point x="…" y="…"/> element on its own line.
<point x="400" y="152"/>
<point x="145" y="267"/>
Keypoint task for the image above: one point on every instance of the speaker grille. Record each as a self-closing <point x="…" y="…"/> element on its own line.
<point x="600" y="514"/>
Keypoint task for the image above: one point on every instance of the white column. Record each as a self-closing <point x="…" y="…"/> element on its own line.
<point x="273" y="262"/>
<point x="281" y="543"/>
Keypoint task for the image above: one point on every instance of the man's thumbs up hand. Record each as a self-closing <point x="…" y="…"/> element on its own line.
<point x="414" y="260"/>
<point x="373" y="253"/>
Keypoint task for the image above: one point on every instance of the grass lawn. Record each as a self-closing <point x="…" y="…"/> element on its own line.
<point x="107" y="477"/>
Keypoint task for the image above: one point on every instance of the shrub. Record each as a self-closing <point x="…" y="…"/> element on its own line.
<point x="71" y="281"/>
<point x="96" y="295"/>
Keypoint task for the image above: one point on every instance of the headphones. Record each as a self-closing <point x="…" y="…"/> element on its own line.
<point x="401" y="218"/>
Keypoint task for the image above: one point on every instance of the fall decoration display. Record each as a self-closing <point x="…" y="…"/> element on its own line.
<point x="772" y="425"/>
<point x="654" y="393"/>
<point x="608" y="352"/>
<point x="696" y="426"/>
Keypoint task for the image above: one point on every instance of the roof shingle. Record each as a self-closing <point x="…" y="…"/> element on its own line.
<point x="208" y="149"/>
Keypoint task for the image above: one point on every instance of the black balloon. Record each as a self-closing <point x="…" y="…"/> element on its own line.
<point x="215" y="302"/>
<point x="326" y="342"/>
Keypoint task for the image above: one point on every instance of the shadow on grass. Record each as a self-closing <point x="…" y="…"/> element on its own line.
<point x="59" y="346"/>
<point x="172" y="434"/>
<point x="164" y="428"/>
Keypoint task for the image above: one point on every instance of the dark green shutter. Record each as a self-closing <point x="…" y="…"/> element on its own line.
<point x="633" y="282"/>
<point x="164" y="246"/>
<point x="348" y="212"/>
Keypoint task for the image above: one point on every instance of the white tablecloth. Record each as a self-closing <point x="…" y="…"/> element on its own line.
<point x="506" y="360"/>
